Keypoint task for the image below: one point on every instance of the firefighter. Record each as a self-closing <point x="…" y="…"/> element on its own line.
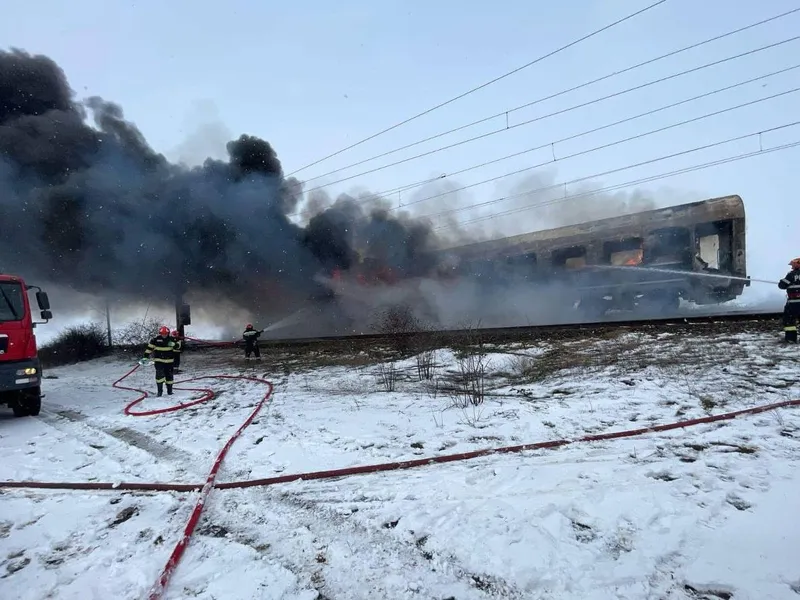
<point x="791" y="312"/>
<point x="162" y="350"/>
<point x="250" y="337"/>
<point x="176" y="335"/>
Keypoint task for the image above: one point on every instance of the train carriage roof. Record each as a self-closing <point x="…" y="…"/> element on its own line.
<point x="703" y="211"/>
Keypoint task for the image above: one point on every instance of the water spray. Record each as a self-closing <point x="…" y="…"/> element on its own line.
<point x="286" y="321"/>
<point x="685" y="273"/>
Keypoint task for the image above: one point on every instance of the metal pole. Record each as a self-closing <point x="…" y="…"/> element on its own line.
<point x="178" y="321"/>
<point x="108" y="321"/>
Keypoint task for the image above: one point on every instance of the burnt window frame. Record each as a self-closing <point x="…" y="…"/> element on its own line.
<point x="567" y="252"/>
<point x="688" y="248"/>
<point x="638" y="240"/>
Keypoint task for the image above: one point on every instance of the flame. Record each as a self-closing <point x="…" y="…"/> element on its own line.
<point x="628" y="258"/>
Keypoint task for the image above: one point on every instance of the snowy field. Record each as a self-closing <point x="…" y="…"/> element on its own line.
<point x="704" y="512"/>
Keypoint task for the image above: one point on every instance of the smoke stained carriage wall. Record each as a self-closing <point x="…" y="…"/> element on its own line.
<point x="705" y="236"/>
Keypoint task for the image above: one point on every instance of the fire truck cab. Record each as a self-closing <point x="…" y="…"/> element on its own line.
<point x="20" y="370"/>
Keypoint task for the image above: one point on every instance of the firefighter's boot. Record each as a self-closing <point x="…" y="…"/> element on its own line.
<point x="160" y="388"/>
<point x="169" y="389"/>
<point x="790" y="335"/>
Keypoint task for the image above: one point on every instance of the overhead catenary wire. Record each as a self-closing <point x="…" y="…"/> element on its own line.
<point x="647" y="179"/>
<point x="560" y="93"/>
<point x="617" y="170"/>
<point x="620" y="186"/>
<point x="552" y="143"/>
<point x="555" y="113"/>
<point x="483" y="85"/>
<point x="601" y="147"/>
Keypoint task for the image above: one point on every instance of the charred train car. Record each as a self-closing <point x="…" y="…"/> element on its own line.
<point x="588" y="260"/>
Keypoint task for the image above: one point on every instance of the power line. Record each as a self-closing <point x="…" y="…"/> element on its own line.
<point x="560" y="112"/>
<point x="557" y="94"/>
<point x="619" y="186"/>
<point x="612" y="171"/>
<point x="607" y="145"/>
<point x="480" y="87"/>
<point x="552" y="144"/>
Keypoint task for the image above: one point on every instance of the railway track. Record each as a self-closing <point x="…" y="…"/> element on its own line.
<point x="739" y="321"/>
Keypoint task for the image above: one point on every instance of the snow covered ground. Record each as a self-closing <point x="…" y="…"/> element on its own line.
<point x="704" y="512"/>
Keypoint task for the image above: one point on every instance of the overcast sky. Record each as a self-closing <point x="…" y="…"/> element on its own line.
<point x="311" y="78"/>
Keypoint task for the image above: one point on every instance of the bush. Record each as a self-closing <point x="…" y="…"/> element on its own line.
<point x="137" y="333"/>
<point x="399" y="324"/>
<point x="75" y="344"/>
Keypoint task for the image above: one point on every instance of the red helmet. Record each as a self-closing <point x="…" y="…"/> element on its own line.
<point x="175" y="333"/>
<point x="795" y="263"/>
<point x="248" y="326"/>
<point x="163" y="330"/>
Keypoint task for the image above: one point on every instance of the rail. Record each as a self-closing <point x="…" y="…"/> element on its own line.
<point x="498" y="334"/>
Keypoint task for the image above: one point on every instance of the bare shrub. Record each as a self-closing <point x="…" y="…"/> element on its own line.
<point x="470" y="380"/>
<point x="137" y="333"/>
<point x="426" y="363"/>
<point x="473" y="339"/>
<point x="398" y="323"/>
<point x="397" y="319"/>
<point x="387" y="375"/>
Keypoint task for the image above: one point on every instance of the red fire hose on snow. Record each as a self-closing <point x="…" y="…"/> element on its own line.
<point x="207" y="394"/>
<point x="210" y="482"/>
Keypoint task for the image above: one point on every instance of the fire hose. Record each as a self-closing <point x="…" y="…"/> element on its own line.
<point x="210" y="483"/>
<point x="207" y="394"/>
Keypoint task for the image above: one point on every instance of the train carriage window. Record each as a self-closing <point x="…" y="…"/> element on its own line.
<point x="482" y="268"/>
<point x="623" y="252"/>
<point x="668" y="246"/>
<point x="520" y="266"/>
<point x="714" y="244"/>
<point x="522" y="260"/>
<point x="570" y="258"/>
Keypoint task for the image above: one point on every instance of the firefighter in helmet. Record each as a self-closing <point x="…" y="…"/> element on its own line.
<point x="162" y="350"/>
<point x="176" y="336"/>
<point x="250" y="337"/>
<point x="791" y="312"/>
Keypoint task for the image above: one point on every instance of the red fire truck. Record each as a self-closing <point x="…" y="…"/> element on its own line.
<point x="20" y="371"/>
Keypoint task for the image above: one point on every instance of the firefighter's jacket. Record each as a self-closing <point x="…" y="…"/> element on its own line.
<point x="178" y="348"/>
<point x="250" y="336"/>
<point x="161" y="349"/>
<point x="791" y="283"/>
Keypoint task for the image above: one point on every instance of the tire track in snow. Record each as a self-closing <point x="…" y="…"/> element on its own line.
<point x="132" y="451"/>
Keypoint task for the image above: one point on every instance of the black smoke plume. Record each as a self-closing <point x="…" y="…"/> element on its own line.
<point x="85" y="202"/>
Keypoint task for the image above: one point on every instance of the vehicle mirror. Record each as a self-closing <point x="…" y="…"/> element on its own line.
<point x="42" y="300"/>
<point x="46" y="315"/>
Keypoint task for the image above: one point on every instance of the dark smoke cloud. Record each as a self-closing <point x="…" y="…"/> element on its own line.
<point x="94" y="207"/>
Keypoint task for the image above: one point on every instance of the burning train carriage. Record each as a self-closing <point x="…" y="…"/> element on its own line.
<point x="589" y="259"/>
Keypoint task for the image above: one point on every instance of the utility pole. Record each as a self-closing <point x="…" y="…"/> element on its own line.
<point x="178" y="319"/>
<point x="108" y="321"/>
<point x="183" y="315"/>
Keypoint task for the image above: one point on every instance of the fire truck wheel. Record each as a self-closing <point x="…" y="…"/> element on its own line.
<point x="29" y="403"/>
